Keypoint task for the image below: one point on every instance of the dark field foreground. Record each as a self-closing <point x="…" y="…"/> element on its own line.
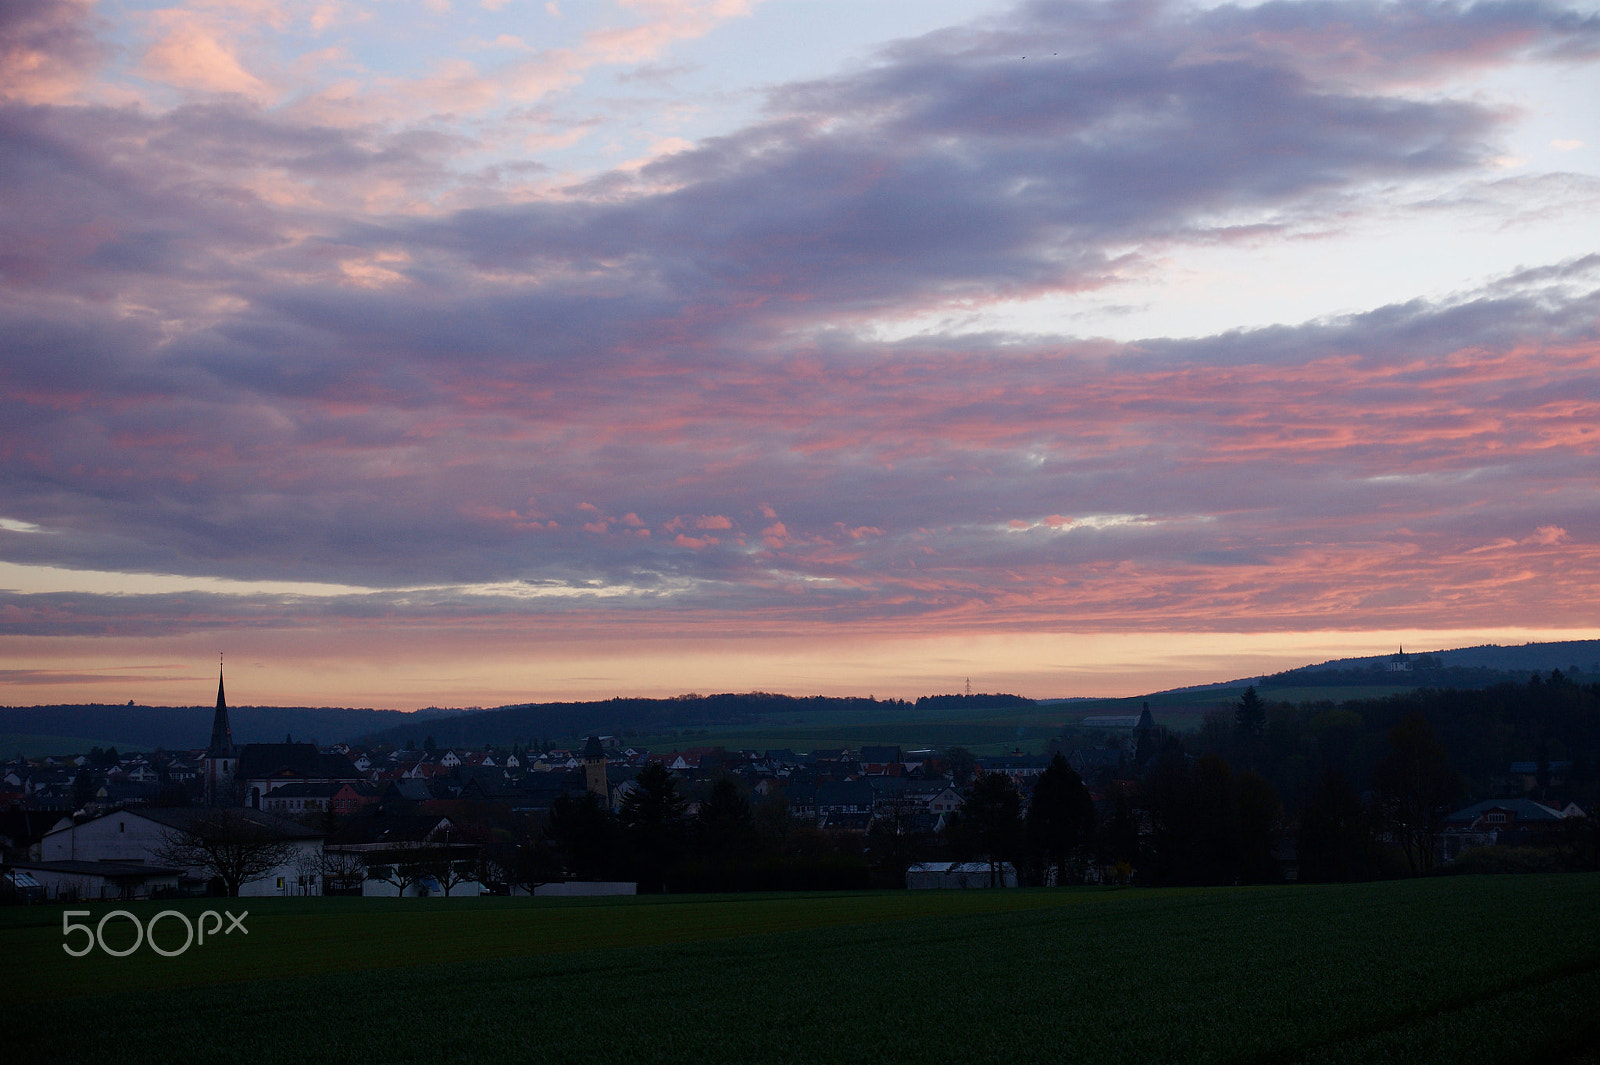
<point x="1465" y="969"/>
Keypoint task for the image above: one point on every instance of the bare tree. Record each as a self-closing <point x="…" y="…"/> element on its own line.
<point x="235" y="846"/>
<point x="394" y="867"/>
<point x="450" y="865"/>
<point x="444" y="865"/>
<point x="308" y="871"/>
<point x="343" y="871"/>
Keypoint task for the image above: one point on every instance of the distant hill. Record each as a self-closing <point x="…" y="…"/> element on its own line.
<point x="175" y="728"/>
<point x="530" y="722"/>
<point x="1568" y="656"/>
<point x="1462" y="667"/>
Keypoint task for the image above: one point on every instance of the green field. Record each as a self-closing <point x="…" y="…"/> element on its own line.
<point x="1465" y="969"/>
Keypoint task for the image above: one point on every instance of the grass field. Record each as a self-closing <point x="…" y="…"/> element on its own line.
<point x="1467" y="969"/>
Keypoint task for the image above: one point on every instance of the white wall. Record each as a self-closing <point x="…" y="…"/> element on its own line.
<point x="127" y="837"/>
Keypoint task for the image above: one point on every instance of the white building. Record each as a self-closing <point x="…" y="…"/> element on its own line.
<point x="135" y="836"/>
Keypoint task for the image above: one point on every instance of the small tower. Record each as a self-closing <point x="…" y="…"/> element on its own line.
<point x="222" y="758"/>
<point x="594" y="769"/>
<point x="1147" y="738"/>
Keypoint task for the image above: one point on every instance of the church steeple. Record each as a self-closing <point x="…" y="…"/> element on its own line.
<point x="221" y="734"/>
<point x="221" y="759"/>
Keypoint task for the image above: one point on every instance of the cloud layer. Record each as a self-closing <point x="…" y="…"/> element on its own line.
<point x="249" y="336"/>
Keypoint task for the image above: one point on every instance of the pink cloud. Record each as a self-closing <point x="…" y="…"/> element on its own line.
<point x="304" y="341"/>
<point x="48" y="53"/>
<point x="194" y="51"/>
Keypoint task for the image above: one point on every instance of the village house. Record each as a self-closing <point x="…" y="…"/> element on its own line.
<point x="1502" y="822"/>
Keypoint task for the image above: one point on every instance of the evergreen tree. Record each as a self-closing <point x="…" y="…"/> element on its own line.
<point x="652" y="813"/>
<point x="1060" y="816"/>
<point x="724" y="828"/>
<point x="1250" y="716"/>
<point x="585" y="834"/>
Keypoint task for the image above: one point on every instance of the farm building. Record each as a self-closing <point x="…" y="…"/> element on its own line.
<point x="960" y="875"/>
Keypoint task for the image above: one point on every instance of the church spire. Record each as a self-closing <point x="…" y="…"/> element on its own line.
<point x="221" y="734"/>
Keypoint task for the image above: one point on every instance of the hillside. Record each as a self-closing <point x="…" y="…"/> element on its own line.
<point x="1569" y="656"/>
<point x="686" y="715"/>
<point x="74" y="728"/>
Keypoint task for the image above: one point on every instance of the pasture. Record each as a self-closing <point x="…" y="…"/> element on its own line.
<point x="1465" y="969"/>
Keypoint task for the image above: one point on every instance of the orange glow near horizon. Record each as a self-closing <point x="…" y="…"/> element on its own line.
<point x="297" y="669"/>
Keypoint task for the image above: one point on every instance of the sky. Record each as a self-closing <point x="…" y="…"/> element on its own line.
<point x="472" y="352"/>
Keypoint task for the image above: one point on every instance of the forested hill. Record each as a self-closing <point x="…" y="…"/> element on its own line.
<point x="1462" y="667"/>
<point x="75" y="728"/>
<point x="626" y="716"/>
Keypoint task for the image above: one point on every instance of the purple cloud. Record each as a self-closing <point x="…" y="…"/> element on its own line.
<point x="659" y="395"/>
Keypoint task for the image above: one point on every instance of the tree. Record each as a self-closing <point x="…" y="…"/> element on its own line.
<point x="652" y="814"/>
<point x="450" y="865"/>
<point x="1212" y="854"/>
<point x="962" y="763"/>
<point x="1060" y="817"/>
<point x="1208" y="824"/>
<point x="401" y="873"/>
<point x="991" y="821"/>
<point x="1250" y="716"/>
<point x="1118" y="843"/>
<point x="235" y="846"/>
<point x="343" y="871"/>
<point x="1336" y="836"/>
<point x="893" y="842"/>
<point x="1414" y="786"/>
<point x="1258" y="812"/>
<point x="584" y="833"/>
<point x="724" y="827"/>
